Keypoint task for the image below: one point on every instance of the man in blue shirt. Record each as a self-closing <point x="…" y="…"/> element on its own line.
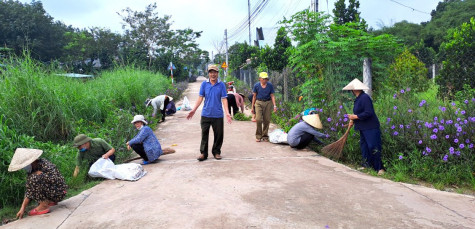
<point x="263" y="102"/>
<point x="214" y="94"/>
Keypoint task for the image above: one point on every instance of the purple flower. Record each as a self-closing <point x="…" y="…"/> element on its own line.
<point x="420" y="142"/>
<point x="428" y="150"/>
<point x="345" y="115"/>
<point x="458" y="119"/>
<point x="472" y="119"/>
<point x="442" y="121"/>
<point x="402" y="91"/>
<point x="423" y="101"/>
<point x="395" y="107"/>
<point x="456" y="140"/>
<point x="401" y="126"/>
<point x="394" y="96"/>
<point x="435" y="130"/>
<point x="424" y="153"/>
<point x="435" y="118"/>
<point x="459" y="129"/>
<point x="392" y="127"/>
<point x="388" y="119"/>
<point x="467" y="140"/>
<point x="447" y="136"/>
<point x="453" y="104"/>
<point x="400" y="157"/>
<point x="445" y="157"/>
<point x="457" y="153"/>
<point x="345" y="119"/>
<point x="466" y="101"/>
<point x="451" y="149"/>
<point x="449" y="121"/>
<point x="329" y="119"/>
<point x="470" y="146"/>
<point x="408" y="126"/>
<point x="441" y="128"/>
<point x="433" y="137"/>
<point x="332" y="129"/>
<point x="461" y="146"/>
<point x="443" y="109"/>
<point x="340" y="107"/>
<point x="395" y="133"/>
<point x="462" y="112"/>
<point x="410" y="111"/>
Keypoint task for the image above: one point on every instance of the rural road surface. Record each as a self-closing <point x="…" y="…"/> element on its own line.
<point x="255" y="185"/>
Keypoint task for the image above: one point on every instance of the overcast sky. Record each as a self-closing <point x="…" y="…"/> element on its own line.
<point x="214" y="16"/>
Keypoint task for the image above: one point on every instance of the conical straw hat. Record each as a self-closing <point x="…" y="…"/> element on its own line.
<point x="23" y="157"/>
<point x="355" y="85"/>
<point x="313" y="120"/>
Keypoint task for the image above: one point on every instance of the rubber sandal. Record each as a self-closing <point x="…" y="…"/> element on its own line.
<point x="52" y="204"/>
<point x="258" y="140"/>
<point x="217" y="157"/>
<point x="145" y="162"/>
<point x="265" y="140"/>
<point x="35" y="212"/>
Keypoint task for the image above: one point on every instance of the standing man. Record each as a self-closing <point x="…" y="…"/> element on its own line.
<point x="161" y="102"/>
<point x="262" y="101"/>
<point x="214" y="94"/>
<point x="90" y="150"/>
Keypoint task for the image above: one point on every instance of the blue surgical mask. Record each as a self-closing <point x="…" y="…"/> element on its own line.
<point x="82" y="150"/>
<point x="28" y="168"/>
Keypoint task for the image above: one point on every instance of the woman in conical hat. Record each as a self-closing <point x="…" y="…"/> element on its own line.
<point x="44" y="183"/>
<point x="365" y="120"/>
<point x="305" y="132"/>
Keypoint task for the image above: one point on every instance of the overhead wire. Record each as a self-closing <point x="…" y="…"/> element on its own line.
<point x="254" y="14"/>
<point x="413" y="9"/>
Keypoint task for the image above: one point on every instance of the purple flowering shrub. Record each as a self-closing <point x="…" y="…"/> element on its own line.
<point x="433" y="137"/>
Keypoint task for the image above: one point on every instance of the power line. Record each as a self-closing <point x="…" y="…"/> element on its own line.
<point x="409" y="7"/>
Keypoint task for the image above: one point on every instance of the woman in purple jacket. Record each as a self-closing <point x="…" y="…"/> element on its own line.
<point x="365" y="120"/>
<point x="145" y="143"/>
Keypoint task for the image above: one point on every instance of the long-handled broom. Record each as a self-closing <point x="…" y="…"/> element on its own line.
<point x="335" y="149"/>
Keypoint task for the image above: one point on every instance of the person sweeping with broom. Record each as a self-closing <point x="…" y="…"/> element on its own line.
<point x="365" y="120"/>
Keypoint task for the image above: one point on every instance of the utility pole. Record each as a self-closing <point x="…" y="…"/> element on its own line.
<point x="314" y="5"/>
<point x="227" y="63"/>
<point x="249" y="19"/>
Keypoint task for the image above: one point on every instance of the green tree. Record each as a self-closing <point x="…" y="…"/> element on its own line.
<point x="281" y="52"/>
<point x="29" y="27"/>
<point x="448" y="14"/>
<point x="239" y="53"/>
<point x="305" y="25"/>
<point x="147" y="30"/>
<point x="459" y="66"/>
<point x="407" y="72"/>
<point x="344" y="15"/>
<point x="409" y="33"/>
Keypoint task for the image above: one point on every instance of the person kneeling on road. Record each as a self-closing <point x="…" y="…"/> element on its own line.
<point x="90" y="150"/>
<point x="44" y="183"/>
<point x="145" y="143"/>
<point x="302" y="133"/>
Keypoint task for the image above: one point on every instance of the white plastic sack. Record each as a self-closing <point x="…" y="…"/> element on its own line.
<point x="129" y="171"/>
<point x="278" y="136"/>
<point x="186" y="104"/>
<point x="105" y="168"/>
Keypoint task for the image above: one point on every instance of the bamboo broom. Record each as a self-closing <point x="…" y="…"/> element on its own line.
<point x="335" y="149"/>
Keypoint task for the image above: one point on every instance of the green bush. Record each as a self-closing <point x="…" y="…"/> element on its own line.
<point x="407" y="71"/>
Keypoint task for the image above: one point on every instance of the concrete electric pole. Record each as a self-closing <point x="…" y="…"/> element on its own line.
<point x="249" y="18"/>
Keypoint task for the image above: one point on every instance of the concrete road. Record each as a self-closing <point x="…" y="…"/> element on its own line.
<point x="256" y="185"/>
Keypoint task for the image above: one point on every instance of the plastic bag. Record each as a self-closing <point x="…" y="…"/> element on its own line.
<point x="186" y="104"/>
<point x="278" y="136"/>
<point x="104" y="168"/>
<point x="129" y="171"/>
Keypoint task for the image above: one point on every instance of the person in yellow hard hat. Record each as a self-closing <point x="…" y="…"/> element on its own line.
<point x="263" y="102"/>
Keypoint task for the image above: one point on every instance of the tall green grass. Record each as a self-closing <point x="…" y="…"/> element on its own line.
<point x="43" y="110"/>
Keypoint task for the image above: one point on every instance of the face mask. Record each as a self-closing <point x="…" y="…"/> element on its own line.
<point x="82" y="150"/>
<point x="28" y="168"/>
